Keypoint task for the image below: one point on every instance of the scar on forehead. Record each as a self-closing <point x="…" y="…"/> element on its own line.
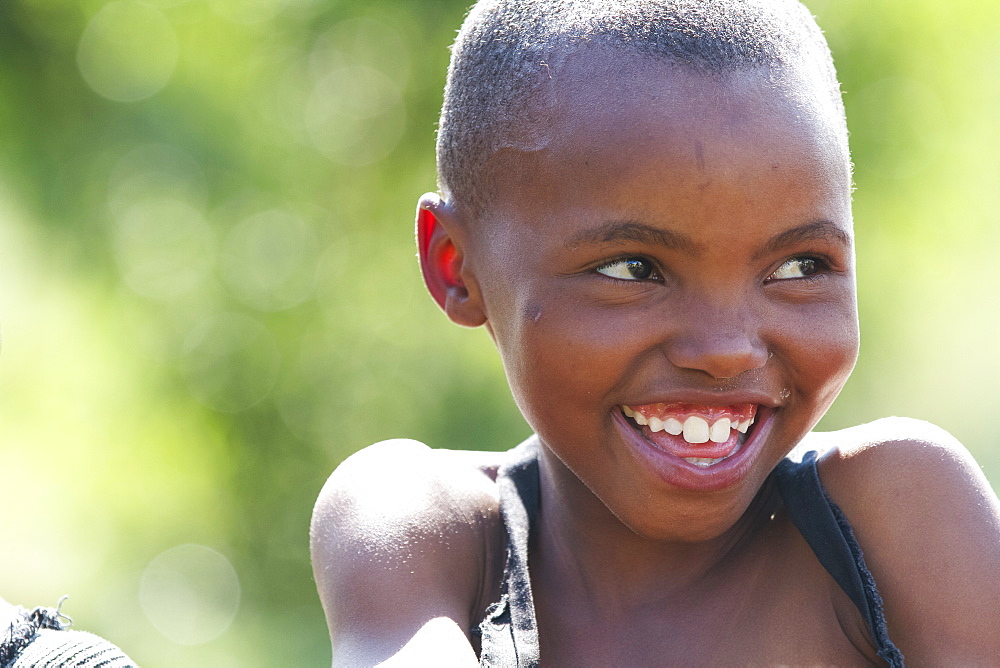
<point x="699" y="156"/>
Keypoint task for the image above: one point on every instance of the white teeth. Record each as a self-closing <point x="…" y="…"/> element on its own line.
<point x="673" y="426"/>
<point x="696" y="430"/>
<point x="743" y="426"/>
<point x="703" y="461"/>
<point x="719" y="433"/>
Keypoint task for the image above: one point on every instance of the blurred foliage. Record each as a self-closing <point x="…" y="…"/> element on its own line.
<point x="210" y="298"/>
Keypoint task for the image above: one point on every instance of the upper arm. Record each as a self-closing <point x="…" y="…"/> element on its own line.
<point x="928" y="523"/>
<point x="401" y="539"/>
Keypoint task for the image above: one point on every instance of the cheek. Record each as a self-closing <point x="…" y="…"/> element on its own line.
<point x="561" y="361"/>
<point x="821" y="346"/>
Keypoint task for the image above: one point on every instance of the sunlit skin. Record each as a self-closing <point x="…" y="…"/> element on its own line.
<point x="725" y="192"/>
<point x="682" y="238"/>
<point x="681" y="243"/>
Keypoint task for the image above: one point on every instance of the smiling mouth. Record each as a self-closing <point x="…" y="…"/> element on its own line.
<point x="700" y="435"/>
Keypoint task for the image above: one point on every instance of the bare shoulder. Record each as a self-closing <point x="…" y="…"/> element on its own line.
<point x="928" y="523"/>
<point x="402" y="537"/>
<point x="897" y="459"/>
<point x="402" y="486"/>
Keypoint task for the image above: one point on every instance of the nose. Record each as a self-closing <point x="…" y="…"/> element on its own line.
<point x="718" y="342"/>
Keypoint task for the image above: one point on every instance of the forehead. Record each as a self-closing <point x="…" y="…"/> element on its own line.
<point x="622" y="118"/>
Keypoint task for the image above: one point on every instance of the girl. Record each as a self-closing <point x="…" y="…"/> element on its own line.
<point x="647" y="204"/>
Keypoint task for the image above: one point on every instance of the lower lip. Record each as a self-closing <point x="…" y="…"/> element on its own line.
<point x="680" y="473"/>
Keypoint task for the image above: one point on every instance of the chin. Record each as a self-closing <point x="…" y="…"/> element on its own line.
<point x="698" y="519"/>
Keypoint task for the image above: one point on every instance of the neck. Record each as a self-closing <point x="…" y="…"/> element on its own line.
<point x="581" y="549"/>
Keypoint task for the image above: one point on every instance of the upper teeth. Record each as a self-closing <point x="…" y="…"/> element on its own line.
<point x="719" y="433"/>
<point x="694" y="428"/>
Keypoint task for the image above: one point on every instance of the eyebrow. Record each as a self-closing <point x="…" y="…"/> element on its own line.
<point x="820" y="230"/>
<point x="634" y="231"/>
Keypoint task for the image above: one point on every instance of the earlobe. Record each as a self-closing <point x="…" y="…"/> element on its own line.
<point x="443" y="264"/>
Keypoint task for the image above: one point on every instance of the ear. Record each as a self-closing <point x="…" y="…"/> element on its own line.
<point x="448" y="277"/>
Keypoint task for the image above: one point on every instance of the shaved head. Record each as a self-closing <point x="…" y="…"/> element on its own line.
<point x="509" y="55"/>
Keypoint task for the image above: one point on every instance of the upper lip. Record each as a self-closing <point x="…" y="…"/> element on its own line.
<point x="701" y="397"/>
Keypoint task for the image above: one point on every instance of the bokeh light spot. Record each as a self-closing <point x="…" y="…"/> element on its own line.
<point x="128" y="51"/>
<point x="354" y="115"/>
<point x="361" y="41"/>
<point x="331" y="268"/>
<point x="326" y="382"/>
<point x="268" y="260"/>
<point x="190" y="593"/>
<point x="155" y="170"/>
<point x="231" y="362"/>
<point x="164" y="247"/>
<point x="249" y="13"/>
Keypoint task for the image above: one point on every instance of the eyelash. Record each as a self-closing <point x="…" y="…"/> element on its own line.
<point x="820" y="266"/>
<point x="653" y="274"/>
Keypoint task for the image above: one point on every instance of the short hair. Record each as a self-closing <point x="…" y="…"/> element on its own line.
<point x="507" y="49"/>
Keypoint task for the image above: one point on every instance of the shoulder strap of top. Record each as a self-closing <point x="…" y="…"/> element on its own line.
<point x="829" y="534"/>
<point x="509" y="633"/>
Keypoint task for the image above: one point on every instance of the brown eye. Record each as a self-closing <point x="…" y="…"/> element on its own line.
<point x="797" y="267"/>
<point x="629" y="269"/>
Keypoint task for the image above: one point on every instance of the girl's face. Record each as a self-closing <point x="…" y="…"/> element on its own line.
<point x="675" y="264"/>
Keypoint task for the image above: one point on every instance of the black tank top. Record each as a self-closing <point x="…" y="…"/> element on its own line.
<point x="509" y="634"/>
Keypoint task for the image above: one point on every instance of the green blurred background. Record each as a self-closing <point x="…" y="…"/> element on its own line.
<point x="209" y="294"/>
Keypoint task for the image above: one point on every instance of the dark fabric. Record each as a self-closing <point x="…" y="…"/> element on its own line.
<point x="509" y="632"/>
<point x="39" y="638"/>
<point x="509" y="635"/>
<point x="829" y="534"/>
